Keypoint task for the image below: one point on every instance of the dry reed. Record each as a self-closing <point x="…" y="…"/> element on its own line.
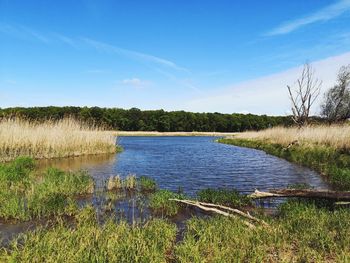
<point x="336" y="136"/>
<point x="52" y="139"/>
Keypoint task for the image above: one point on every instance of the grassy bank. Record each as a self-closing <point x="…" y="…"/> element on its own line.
<point x="302" y="232"/>
<point x="51" y="139"/>
<point x="325" y="149"/>
<point x="26" y="194"/>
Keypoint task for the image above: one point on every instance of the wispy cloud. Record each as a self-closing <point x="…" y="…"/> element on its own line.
<point x="322" y="15"/>
<point x="23" y="32"/>
<point x="135" y="83"/>
<point x="268" y="94"/>
<point x="104" y="47"/>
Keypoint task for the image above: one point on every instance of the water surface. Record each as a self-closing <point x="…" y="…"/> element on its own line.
<point x="194" y="163"/>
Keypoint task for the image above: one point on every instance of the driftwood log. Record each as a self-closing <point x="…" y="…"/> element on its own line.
<point x="215" y="208"/>
<point x="308" y="193"/>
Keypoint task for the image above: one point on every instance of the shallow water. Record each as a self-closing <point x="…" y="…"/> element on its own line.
<point x="193" y="163"/>
<point x="186" y="163"/>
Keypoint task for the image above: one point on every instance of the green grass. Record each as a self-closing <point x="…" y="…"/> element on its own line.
<point x="223" y="197"/>
<point x="28" y="195"/>
<point x="90" y="242"/>
<point x="332" y="163"/>
<point x="159" y="202"/>
<point x="302" y="233"/>
<point x="147" y="184"/>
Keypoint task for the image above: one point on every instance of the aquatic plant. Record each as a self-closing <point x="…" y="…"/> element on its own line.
<point x="26" y="194"/>
<point x="301" y="233"/>
<point x="147" y="184"/>
<point x="114" y="183"/>
<point x="159" y="202"/>
<point x="52" y="139"/>
<point x="130" y="182"/>
<point x="90" y="242"/>
<point x="223" y="197"/>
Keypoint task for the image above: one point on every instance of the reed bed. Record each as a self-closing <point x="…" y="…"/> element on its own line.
<point x="336" y="136"/>
<point x="52" y="139"/>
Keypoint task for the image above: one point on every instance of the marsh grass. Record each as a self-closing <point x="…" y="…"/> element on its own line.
<point x="52" y="139"/>
<point x="147" y="184"/>
<point x="114" y="183"/>
<point x="90" y="242"/>
<point x="27" y="195"/>
<point x="303" y="232"/>
<point x="333" y="163"/>
<point x="130" y="182"/>
<point x="226" y="197"/>
<point x="160" y="204"/>
<point x="334" y="136"/>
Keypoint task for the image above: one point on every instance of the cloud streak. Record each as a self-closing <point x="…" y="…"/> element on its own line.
<point x="327" y="13"/>
<point x="22" y="32"/>
<point x="103" y="47"/>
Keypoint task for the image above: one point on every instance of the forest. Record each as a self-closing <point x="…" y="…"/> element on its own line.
<point x="135" y="119"/>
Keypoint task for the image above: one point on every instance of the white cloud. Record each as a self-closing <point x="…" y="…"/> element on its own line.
<point x="100" y="46"/>
<point x="135" y="83"/>
<point x="266" y="95"/>
<point x="325" y="14"/>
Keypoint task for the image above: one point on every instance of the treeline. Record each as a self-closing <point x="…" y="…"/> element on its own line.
<point x="151" y="120"/>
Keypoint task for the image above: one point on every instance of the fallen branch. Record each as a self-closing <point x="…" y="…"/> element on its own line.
<point x="309" y="193"/>
<point x="215" y="210"/>
<point x="239" y="212"/>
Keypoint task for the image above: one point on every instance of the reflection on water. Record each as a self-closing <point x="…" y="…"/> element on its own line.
<point x="193" y="163"/>
<point x="77" y="163"/>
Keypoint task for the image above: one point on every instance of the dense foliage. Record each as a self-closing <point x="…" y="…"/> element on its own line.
<point x="151" y="120"/>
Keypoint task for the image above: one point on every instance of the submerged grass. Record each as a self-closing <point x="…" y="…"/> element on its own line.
<point x="52" y="139"/>
<point x="333" y="163"/>
<point x="27" y="195"/>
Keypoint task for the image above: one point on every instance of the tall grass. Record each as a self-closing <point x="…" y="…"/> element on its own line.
<point x="26" y="195"/>
<point x="323" y="148"/>
<point x="91" y="242"/>
<point x="52" y="139"/>
<point x="303" y="232"/>
<point x="336" y="136"/>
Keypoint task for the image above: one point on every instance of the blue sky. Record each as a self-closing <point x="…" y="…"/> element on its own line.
<point x="225" y="56"/>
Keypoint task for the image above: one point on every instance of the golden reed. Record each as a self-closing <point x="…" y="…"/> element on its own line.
<point x="336" y="136"/>
<point x="52" y="139"/>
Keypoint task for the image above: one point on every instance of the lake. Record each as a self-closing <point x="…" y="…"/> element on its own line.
<point x="186" y="163"/>
<point x="193" y="163"/>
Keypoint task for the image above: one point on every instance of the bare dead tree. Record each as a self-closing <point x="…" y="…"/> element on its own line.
<point x="307" y="90"/>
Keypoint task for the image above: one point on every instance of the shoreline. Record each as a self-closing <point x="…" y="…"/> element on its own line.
<point x="332" y="164"/>
<point x="185" y="134"/>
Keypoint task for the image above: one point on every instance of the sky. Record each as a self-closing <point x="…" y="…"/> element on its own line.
<point x="195" y="55"/>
